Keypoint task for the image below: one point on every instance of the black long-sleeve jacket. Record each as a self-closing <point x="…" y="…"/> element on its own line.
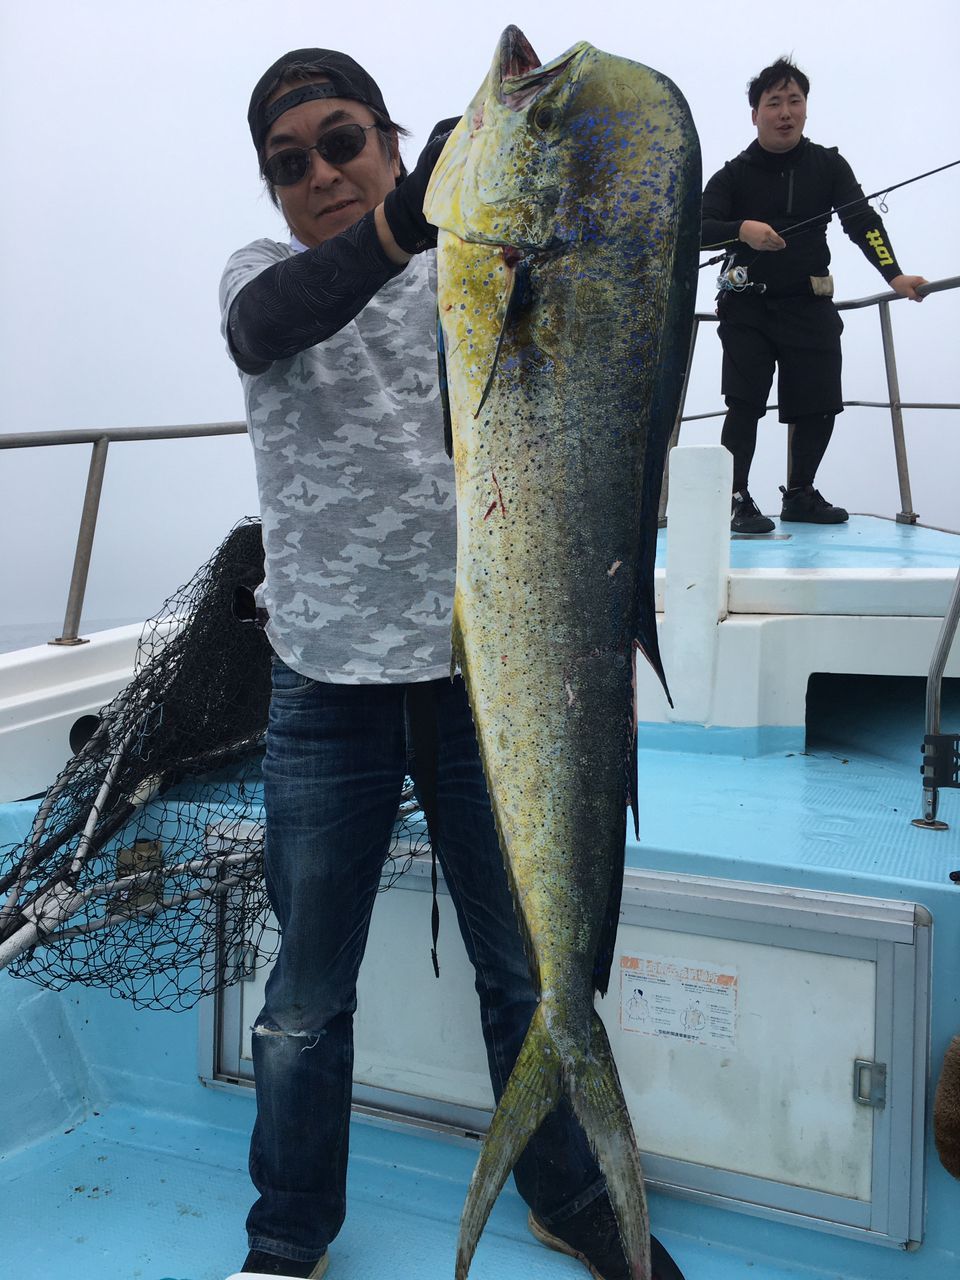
<point x="783" y="189"/>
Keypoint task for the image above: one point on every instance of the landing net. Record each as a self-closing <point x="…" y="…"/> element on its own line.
<point x="143" y="870"/>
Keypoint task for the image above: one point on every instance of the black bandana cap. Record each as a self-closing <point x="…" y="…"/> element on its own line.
<point x="347" y="80"/>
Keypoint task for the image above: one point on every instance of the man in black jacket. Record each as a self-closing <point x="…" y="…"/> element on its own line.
<point x="775" y="304"/>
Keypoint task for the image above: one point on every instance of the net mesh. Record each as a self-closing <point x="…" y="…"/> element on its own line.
<point x="143" y="869"/>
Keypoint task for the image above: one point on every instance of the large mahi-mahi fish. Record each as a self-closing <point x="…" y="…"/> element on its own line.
<point x="568" y="205"/>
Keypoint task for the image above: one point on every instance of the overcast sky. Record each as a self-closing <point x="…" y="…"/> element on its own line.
<point x="130" y="178"/>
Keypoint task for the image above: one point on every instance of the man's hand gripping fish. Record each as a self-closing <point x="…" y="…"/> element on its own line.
<point x="568" y="203"/>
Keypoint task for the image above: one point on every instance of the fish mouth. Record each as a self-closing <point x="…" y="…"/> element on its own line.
<point x="522" y="75"/>
<point x="517" y="56"/>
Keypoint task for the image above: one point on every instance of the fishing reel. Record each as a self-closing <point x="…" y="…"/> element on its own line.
<point x="737" y="280"/>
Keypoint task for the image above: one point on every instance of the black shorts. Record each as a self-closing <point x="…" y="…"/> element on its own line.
<point x="801" y="336"/>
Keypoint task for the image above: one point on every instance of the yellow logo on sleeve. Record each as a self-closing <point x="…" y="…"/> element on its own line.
<point x="884" y="256"/>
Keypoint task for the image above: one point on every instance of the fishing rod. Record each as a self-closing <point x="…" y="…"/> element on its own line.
<point x="808" y="223"/>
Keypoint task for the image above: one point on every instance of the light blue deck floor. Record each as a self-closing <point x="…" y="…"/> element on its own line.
<point x="137" y="1194"/>
<point x="841" y="808"/>
<point x="863" y="542"/>
<point x="132" y="1196"/>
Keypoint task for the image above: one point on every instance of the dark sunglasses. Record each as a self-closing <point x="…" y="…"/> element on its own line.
<point x="336" y="147"/>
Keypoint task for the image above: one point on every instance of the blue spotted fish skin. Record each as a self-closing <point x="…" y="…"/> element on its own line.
<point x="568" y="206"/>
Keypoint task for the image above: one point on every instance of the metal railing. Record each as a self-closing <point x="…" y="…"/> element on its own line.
<point x="881" y="301"/>
<point x="101" y="441"/>
<point x="940" y="768"/>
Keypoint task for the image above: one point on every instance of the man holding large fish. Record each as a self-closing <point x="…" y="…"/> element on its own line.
<point x="334" y="336"/>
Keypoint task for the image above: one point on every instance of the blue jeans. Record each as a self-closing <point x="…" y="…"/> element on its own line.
<point x="334" y="768"/>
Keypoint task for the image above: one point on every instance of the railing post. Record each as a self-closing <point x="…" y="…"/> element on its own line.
<point x="697" y="581"/>
<point x="906" y="515"/>
<point x="675" y="433"/>
<point x="81" y="558"/>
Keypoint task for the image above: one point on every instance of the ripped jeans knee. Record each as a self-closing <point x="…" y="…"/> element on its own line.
<point x="307" y="1032"/>
<point x="310" y="1038"/>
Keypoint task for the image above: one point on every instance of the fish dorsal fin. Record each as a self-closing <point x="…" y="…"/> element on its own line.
<point x="671" y="369"/>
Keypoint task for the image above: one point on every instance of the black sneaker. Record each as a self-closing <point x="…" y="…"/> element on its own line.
<point x="747" y="516"/>
<point x="809" y="505"/>
<point x="259" y="1263"/>
<point x="593" y="1238"/>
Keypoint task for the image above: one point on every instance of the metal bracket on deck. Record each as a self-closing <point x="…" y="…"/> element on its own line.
<point x="941" y="760"/>
<point x="941" y="751"/>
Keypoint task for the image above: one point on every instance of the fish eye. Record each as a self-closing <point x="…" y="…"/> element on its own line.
<point x="545" y="117"/>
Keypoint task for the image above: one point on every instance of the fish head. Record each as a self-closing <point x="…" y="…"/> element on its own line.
<point x="582" y="166"/>
<point x="497" y="181"/>
<point x="549" y="157"/>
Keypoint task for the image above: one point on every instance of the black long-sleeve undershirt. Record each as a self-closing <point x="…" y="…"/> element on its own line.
<point x="306" y="299"/>
<point x="783" y="190"/>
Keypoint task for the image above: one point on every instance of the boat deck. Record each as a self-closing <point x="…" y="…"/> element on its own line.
<point x="863" y="542"/>
<point x="868" y="566"/>
<point x="840" y="808"/>
<point x="136" y="1195"/>
<point x="150" y="1183"/>
<point x="116" y="1164"/>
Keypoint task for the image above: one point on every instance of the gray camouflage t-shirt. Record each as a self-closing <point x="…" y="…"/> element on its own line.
<point x="356" y="489"/>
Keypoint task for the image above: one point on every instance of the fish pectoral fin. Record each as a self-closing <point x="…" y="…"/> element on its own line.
<point x="444" y="389"/>
<point x="515" y="300"/>
<point x="532" y="1092"/>
<point x="594" y="1090"/>
<point x="508" y="305"/>
<point x="458" y="660"/>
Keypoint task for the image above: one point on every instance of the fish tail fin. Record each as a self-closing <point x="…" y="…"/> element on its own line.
<point x="537" y="1082"/>
<point x="597" y="1099"/>
<point x="532" y="1092"/>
